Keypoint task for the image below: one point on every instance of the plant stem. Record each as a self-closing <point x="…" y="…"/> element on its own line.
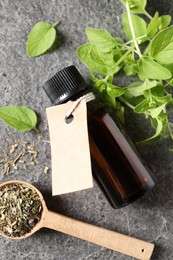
<point x="146" y="49"/>
<point x="126" y="102"/>
<point x="56" y="23"/>
<point x="148" y="15"/>
<point x="123" y="57"/>
<point x="132" y="30"/>
<point x="138" y="38"/>
<point x="112" y="70"/>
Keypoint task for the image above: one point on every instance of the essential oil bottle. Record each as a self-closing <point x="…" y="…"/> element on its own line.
<point x="115" y="163"/>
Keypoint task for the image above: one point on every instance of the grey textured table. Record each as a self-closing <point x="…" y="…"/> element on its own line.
<point x="21" y="78"/>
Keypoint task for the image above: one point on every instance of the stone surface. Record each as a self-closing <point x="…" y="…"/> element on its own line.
<point x="21" y="78"/>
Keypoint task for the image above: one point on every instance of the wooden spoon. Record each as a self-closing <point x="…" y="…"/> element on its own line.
<point x="121" y="243"/>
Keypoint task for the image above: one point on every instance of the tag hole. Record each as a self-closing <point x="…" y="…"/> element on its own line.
<point x="69" y="119"/>
<point x="143" y="250"/>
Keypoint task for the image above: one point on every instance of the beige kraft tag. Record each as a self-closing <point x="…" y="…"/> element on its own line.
<point x="71" y="164"/>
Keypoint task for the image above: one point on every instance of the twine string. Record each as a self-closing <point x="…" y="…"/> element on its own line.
<point x="88" y="97"/>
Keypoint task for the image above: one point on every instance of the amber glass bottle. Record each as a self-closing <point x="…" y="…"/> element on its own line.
<point x="115" y="162"/>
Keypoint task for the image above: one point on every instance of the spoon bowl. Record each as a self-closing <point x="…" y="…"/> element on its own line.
<point x="115" y="241"/>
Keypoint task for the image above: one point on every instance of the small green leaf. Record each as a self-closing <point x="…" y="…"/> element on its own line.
<point x="115" y="91"/>
<point x="95" y="56"/>
<point x="21" y="118"/>
<point x="154" y="112"/>
<point x="130" y="67"/>
<point x="153" y="26"/>
<point x="159" y="127"/>
<point x="139" y="25"/>
<point x="142" y="107"/>
<point x="169" y="67"/>
<point x="102" y="39"/>
<point x="157" y="23"/>
<point x="109" y="58"/>
<point x="158" y="90"/>
<point x="40" y="39"/>
<point x="83" y="53"/>
<point x="161" y="47"/>
<point x="89" y="56"/>
<point x="136" y="6"/>
<point x="164" y="21"/>
<point x="99" y="84"/>
<point x="163" y="100"/>
<point x="150" y="69"/>
<point x="137" y="88"/>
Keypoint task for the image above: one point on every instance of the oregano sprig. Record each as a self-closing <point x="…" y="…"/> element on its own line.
<point x="147" y="54"/>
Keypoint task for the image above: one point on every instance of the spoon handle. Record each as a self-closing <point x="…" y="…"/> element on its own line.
<point x="121" y="243"/>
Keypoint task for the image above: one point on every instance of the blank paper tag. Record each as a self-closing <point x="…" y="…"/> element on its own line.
<point x="71" y="164"/>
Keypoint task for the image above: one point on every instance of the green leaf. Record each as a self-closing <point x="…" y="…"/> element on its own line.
<point x="142" y="107"/>
<point x="119" y="40"/>
<point x="158" y="90"/>
<point x="130" y="67"/>
<point x="150" y="69"/>
<point x="99" y="84"/>
<point x="116" y="54"/>
<point x="88" y="55"/>
<point x="137" y="88"/>
<point x="111" y="101"/>
<point x="115" y="91"/>
<point x="159" y="127"/>
<point x="154" y="112"/>
<point x="164" y="21"/>
<point x="161" y="47"/>
<point x="157" y="23"/>
<point x="139" y="25"/>
<point x="169" y="67"/>
<point x="136" y="6"/>
<point x="153" y="26"/>
<point x="109" y="58"/>
<point x="163" y="100"/>
<point x="134" y="89"/>
<point x="21" y="118"/>
<point x="170" y="82"/>
<point x="95" y="56"/>
<point x="102" y="39"/>
<point x="40" y="39"/>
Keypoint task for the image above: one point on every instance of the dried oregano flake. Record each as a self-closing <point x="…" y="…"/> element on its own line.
<point x="20" y="209"/>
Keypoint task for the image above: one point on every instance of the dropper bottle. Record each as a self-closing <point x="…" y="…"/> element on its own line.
<point x="116" y="164"/>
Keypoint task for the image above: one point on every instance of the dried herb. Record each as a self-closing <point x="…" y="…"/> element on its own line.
<point x="20" y="209"/>
<point x="46" y="169"/>
<point x="20" y="153"/>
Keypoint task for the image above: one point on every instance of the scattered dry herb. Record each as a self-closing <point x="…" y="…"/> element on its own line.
<point x="20" y="209"/>
<point x="46" y="169"/>
<point x="17" y="151"/>
<point x="19" y="154"/>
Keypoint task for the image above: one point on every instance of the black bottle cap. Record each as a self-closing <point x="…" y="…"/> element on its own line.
<point x="64" y="84"/>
